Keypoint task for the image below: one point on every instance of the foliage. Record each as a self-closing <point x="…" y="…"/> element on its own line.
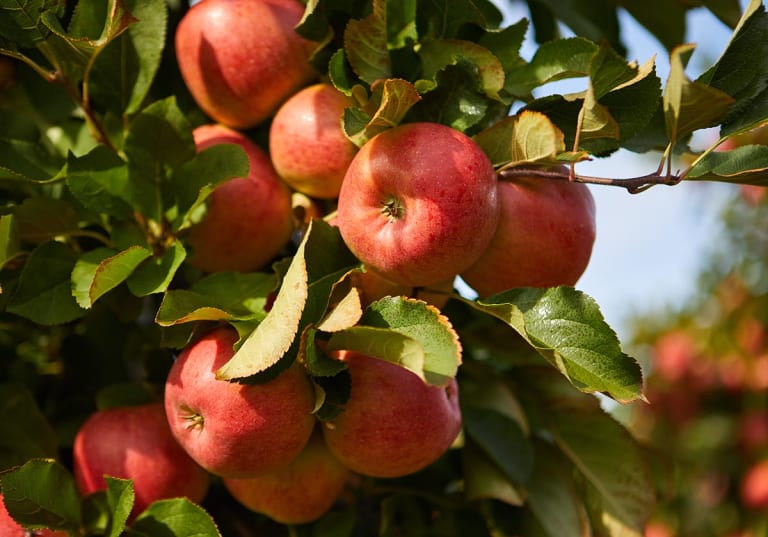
<point x="100" y="181"/>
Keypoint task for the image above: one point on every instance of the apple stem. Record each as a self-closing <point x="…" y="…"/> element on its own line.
<point x="633" y="185"/>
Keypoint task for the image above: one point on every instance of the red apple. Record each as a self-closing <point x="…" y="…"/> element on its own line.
<point x="419" y="203"/>
<point x="307" y="144"/>
<point x="8" y="526"/>
<point x="754" y="486"/>
<point x="233" y="429"/>
<point x="249" y="219"/>
<point x="297" y="493"/>
<point x="673" y="355"/>
<point x="241" y="59"/>
<point x="394" y="424"/>
<point x="372" y="286"/>
<point x="544" y="238"/>
<point x="136" y="443"/>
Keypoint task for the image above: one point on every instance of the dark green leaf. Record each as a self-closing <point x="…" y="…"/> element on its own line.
<point x="100" y="182"/>
<point x="42" y="494"/>
<point x="20" y="20"/>
<point x="120" y="497"/>
<point x="568" y="329"/>
<point x="41" y="218"/>
<point x="747" y="164"/>
<point x="446" y="18"/>
<point x="44" y="292"/>
<point x="26" y="432"/>
<point x="665" y="19"/>
<point x="156" y="273"/>
<point x="10" y="242"/>
<point x="27" y="161"/>
<point x="594" y="19"/>
<point x="174" y="517"/>
<point x="365" y="44"/>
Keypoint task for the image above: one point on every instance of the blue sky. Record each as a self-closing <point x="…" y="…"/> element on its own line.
<point x="650" y="246"/>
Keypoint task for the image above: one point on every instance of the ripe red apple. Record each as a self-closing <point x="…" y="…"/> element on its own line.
<point x="544" y="239"/>
<point x="136" y="443"/>
<point x="297" y="493"/>
<point x="8" y="526"/>
<point x="754" y="486"/>
<point x="233" y="429"/>
<point x="241" y="59"/>
<point x="249" y="219"/>
<point x="419" y="203"/>
<point x="307" y="144"/>
<point x="394" y="423"/>
<point x="372" y="286"/>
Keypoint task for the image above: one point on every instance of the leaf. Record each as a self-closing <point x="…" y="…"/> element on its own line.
<point x="741" y="73"/>
<point x="407" y="332"/>
<point x="101" y="270"/>
<point x="689" y="106"/>
<point x="320" y="261"/>
<point x="44" y="293"/>
<point x="22" y="160"/>
<point x="485" y="480"/>
<point x="664" y="19"/>
<point x="156" y="273"/>
<point x="446" y="18"/>
<point x="747" y="164"/>
<point x="390" y="102"/>
<point x="20" y="20"/>
<point x="100" y="181"/>
<point x="566" y="327"/>
<point x="217" y="296"/>
<point x="365" y="44"/>
<point x="594" y="19"/>
<point x="26" y="432"/>
<point x="124" y="71"/>
<point x="177" y="516"/>
<point x="611" y="463"/>
<point x="42" y="494"/>
<point x="526" y="138"/>
<point x="501" y="440"/>
<point x="195" y="179"/>
<point x="10" y="241"/>
<point x="120" y="498"/>
<point x="42" y="218"/>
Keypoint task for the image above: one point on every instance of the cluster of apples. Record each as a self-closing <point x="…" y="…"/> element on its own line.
<point x="419" y="204"/>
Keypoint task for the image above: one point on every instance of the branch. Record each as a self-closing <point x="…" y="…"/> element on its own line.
<point x="633" y="185"/>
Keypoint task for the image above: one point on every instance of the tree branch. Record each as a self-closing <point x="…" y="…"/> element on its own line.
<point x="633" y="185"/>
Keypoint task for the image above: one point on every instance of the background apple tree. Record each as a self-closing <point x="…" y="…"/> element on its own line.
<point x="99" y="179"/>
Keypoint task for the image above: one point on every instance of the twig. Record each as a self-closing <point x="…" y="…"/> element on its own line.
<point x="633" y="185"/>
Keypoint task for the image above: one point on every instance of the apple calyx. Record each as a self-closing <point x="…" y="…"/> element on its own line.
<point x="194" y="420"/>
<point x="392" y="208"/>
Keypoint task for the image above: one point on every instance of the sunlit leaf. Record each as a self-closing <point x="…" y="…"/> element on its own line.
<point x="176" y="516"/>
<point x="101" y="270"/>
<point x="526" y="138"/>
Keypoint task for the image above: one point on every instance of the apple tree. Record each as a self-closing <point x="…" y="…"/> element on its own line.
<point x="102" y="186"/>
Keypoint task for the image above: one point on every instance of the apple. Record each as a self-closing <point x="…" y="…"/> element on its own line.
<point x="135" y="443"/>
<point x="393" y="424"/>
<point x="754" y="486"/>
<point x="240" y="59"/>
<point x="372" y="287"/>
<point x="673" y="355"/>
<point x="419" y="203"/>
<point x="249" y="220"/>
<point x="307" y="144"/>
<point x="8" y="526"/>
<point x="544" y="238"/>
<point x="233" y="429"/>
<point x="300" y="492"/>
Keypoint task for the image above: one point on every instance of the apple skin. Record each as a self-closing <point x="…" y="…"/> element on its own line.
<point x="419" y="203"/>
<point x="754" y="486"/>
<point x="249" y="219"/>
<point x="372" y="287"/>
<point x="307" y="144"/>
<point x="393" y="424"/>
<point x="297" y="493"/>
<point x="240" y="59"/>
<point x="233" y="429"/>
<point x="544" y="238"/>
<point x="135" y="443"/>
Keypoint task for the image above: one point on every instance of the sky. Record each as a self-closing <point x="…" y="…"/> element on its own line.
<point x="651" y="246"/>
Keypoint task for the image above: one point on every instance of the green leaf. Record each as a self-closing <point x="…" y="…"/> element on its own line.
<point x="567" y="328"/>
<point x="485" y="480"/>
<point x="320" y="261"/>
<point x="747" y="164"/>
<point x="101" y="270"/>
<point x="501" y="440"/>
<point x="612" y="464"/>
<point x="594" y="19"/>
<point x="100" y="181"/>
<point x="741" y="73"/>
<point x="41" y="218"/>
<point x="23" y="160"/>
<point x="664" y="19"/>
<point x="44" y="292"/>
<point x="407" y="332"/>
<point x="505" y="44"/>
<point x="20" y="20"/>
<point x="390" y="101"/>
<point x="156" y="273"/>
<point x="218" y="296"/>
<point x="689" y="106"/>
<point x="178" y="516"/>
<point x="365" y="44"/>
<point x="447" y="18"/>
<point x="42" y="494"/>
<point x="120" y="498"/>
<point x="124" y="71"/>
<point x="526" y="138"/>
<point x="10" y="241"/>
<point x="26" y="432"/>
<point x="194" y="180"/>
